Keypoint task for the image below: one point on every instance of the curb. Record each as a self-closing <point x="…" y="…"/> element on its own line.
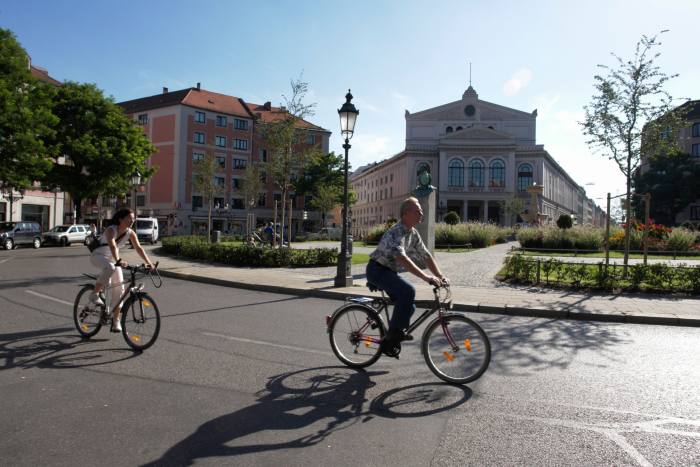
<point x="471" y="308"/>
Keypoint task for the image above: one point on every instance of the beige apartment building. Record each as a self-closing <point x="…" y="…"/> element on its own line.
<point x="479" y="155"/>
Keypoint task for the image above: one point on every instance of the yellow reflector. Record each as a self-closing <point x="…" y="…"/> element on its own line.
<point x="468" y="344"/>
<point x="368" y="342"/>
<point x="146" y="303"/>
<point x="447" y="355"/>
<point x="135" y="338"/>
<point x="84" y="327"/>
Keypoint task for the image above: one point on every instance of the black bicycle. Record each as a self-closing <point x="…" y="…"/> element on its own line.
<point x="140" y="318"/>
<point x="455" y="348"/>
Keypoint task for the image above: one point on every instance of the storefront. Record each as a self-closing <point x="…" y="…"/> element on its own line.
<point x="36" y="213"/>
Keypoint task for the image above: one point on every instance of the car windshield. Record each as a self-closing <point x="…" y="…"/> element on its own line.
<point x="59" y="228"/>
<point x="144" y="224"/>
<point x="5" y="226"/>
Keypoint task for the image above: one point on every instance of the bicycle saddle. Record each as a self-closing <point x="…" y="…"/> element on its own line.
<point x="372" y="287"/>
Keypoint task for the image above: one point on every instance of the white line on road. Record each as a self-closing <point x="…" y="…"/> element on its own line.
<point x="271" y="344"/>
<point x="4" y="260"/>
<point x="48" y="297"/>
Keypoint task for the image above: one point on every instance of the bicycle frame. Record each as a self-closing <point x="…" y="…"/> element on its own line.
<point x="131" y="290"/>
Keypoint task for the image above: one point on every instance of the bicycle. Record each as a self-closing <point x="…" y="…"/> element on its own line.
<point x="455" y="348"/>
<point x="140" y="318"/>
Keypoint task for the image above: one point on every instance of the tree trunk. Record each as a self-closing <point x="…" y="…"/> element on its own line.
<point x="211" y="200"/>
<point x="628" y="225"/>
<point x="284" y="204"/>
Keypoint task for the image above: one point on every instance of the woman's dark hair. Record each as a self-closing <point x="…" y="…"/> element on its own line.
<point x="119" y="215"/>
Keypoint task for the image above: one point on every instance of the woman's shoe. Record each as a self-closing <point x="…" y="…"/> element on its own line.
<point x="116" y="326"/>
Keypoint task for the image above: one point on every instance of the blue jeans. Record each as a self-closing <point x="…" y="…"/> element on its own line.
<point x="400" y="291"/>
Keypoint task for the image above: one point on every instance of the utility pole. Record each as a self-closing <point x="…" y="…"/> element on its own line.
<point x="607" y="235"/>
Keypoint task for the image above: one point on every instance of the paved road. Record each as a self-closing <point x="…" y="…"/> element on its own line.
<point x="247" y="378"/>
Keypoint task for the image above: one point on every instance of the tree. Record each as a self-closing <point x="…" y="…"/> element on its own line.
<point x="630" y="101"/>
<point x="325" y="198"/>
<point x="281" y="136"/>
<point x="252" y="187"/>
<point x="452" y="218"/>
<point x="565" y="222"/>
<point x="204" y="182"/>
<point x="25" y="118"/>
<point x="326" y="169"/>
<point x="514" y="206"/>
<point x="101" y="145"/>
<point x="673" y="184"/>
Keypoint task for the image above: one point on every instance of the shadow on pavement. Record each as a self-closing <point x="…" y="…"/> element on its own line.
<point x="184" y="313"/>
<point x="317" y="402"/>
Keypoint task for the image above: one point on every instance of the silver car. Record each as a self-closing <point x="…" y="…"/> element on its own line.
<point x="64" y="235"/>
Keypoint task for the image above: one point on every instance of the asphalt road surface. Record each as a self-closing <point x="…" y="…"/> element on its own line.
<point x="248" y="378"/>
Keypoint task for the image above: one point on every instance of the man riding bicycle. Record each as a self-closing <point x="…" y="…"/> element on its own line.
<point x="401" y="247"/>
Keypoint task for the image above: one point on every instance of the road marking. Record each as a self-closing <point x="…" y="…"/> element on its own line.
<point x="270" y="344"/>
<point x="4" y="260"/>
<point x="48" y="297"/>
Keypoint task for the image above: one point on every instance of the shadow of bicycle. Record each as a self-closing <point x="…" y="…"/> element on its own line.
<point x="316" y="402"/>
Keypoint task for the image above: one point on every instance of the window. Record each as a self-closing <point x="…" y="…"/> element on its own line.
<point x="263" y="177"/>
<point x="498" y="174"/>
<point x="200" y="117"/>
<point x="476" y="174"/>
<point x="239" y="163"/>
<point x="262" y="200"/>
<point x="199" y="137"/>
<point x="696" y="129"/>
<point x="239" y="124"/>
<point x="220" y="181"/>
<point x="220" y="141"/>
<point x="277" y="197"/>
<point x="236" y="183"/>
<point x="695" y="151"/>
<point x="525" y="177"/>
<point x="241" y="144"/>
<point x="459" y="128"/>
<point x="307" y="202"/>
<point x="143" y="119"/>
<point x="310" y="139"/>
<point x="221" y="160"/>
<point x="449" y="129"/>
<point x="197" y="156"/>
<point x="694" y="213"/>
<point x="263" y="155"/>
<point x="237" y="203"/>
<point x="455" y="173"/>
<point x="221" y="120"/>
<point x="140" y="200"/>
<point x="196" y="202"/>
<point x="219" y="203"/>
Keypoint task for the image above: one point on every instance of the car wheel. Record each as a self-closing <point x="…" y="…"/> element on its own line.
<point x="37" y="243"/>
<point x="8" y="244"/>
<point x="86" y="242"/>
<point x="64" y="241"/>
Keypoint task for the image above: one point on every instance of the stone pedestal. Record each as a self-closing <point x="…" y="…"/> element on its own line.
<point x="426" y="229"/>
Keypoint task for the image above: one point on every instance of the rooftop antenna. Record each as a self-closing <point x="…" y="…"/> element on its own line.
<point x="470" y="74"/>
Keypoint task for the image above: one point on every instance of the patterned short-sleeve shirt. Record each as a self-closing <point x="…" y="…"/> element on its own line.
<point x="400" y="241"/>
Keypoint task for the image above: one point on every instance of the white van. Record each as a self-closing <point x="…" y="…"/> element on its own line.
<point x="147" y="229"/>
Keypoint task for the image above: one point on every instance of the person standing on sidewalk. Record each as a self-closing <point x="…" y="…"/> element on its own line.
<point x="401" y="247"/>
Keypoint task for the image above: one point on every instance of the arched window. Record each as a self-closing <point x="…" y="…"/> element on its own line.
<point x="455" y="173"/>
<point x="459" y="128"/>
<point x="498" y="174"/>
<point x="448" y="129"/>
<point x="476" y="173"/>
<point x="525" y="177"/>
<point x="696" y="129"/>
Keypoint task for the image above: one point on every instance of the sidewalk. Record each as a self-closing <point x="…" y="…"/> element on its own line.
<point x="494" y="298"/>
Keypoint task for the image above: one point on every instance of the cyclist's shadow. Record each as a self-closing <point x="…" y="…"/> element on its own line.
<point x="333" y="396"/>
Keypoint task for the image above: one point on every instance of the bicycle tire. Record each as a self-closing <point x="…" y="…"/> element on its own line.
<point x="87" y="321"/>
<point x="463" y="362"/>
<point x="355" y="332"/>
<point x="140" y="320"/>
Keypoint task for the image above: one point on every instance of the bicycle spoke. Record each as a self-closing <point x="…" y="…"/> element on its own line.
<point x="355" y="334"/>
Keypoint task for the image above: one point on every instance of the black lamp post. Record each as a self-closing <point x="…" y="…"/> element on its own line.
<point x="348" y="115"/>
<point x="135" y="182"/>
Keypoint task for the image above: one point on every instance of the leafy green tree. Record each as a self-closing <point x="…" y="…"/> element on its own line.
<point x="565" y="222"/>
<point x="252" y="186"/>
<point x="630" y="101"/>
<point x="673" y="184"/>
<point x="204" y="182"/>
<point x="25" y="118"/>
<point x="288" y="158"/>
<point x="325" y="198"/>
<point x="513" y="206"/>
<point x="452" y="218"/>
<point x="96" y="148"/>
<point x="322" y="169"/>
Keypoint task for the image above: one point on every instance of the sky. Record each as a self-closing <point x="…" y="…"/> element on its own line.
<point x="394" y="55"/>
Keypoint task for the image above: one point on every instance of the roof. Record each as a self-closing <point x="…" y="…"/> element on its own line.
<point x="192" y="97"/>
<point x="693" y="110"/>
<point x="268" y="114"/>
<point x="43" y="75"/>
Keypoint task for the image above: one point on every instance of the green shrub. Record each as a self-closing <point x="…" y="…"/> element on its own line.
<point x="565" y="222"/>
<point x="452" y="218"/>
<point x="680" y="239"/>
<point x="530" y="237"/>
<point x="475" y="233"/>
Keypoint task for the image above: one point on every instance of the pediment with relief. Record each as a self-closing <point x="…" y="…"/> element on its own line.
<point x="455" y="111"/>
<point x="478" y="133"/>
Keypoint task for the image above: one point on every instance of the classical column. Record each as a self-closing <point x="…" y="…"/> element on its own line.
<point x="465" y="206"/>
<point x="486" y="211"/>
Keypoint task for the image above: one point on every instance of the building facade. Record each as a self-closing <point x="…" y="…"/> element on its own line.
<point x="186" y="125"/>
<point x="480" y="155"/>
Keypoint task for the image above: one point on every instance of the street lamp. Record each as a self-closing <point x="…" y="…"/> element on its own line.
<point x="135" y="182"/>
<point x="348" y="116"/>
<point x="8" y="193"/>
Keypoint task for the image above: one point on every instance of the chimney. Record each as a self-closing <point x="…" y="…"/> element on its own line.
<point x="198" y="86"/>
<point x="165" y="90"/>
<point x="268" y="105"/>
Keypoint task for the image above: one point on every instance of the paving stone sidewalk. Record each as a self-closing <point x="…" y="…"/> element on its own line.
<point x="473" y="289"/>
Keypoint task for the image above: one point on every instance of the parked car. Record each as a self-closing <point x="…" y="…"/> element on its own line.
<point x="147" y="229"/>
<point x="64" y="235"/>
<point x="13" y="234"/>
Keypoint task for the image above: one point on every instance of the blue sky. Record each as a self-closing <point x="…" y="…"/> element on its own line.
<point x="395" y="55"/>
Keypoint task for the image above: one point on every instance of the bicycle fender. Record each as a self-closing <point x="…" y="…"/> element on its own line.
<point x="430" y="323"/>
<point x="354" y="304"/>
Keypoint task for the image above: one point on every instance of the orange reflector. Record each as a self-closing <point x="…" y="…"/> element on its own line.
<point x="84" y="327"/>
<point x="368" y="342"/>
<point x="146" y="303"/>
<point x="135" y="338"/>
<point x="447" y="355"/>
<point x="468" y="344"/>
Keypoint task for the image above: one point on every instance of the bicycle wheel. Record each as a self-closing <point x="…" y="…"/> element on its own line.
<point x="355" y="333"/>
<point x="456" y="349"/>
<point x="140" y="321"/>
<point x="87" y="318"/>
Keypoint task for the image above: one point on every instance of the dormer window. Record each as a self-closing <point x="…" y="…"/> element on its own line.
<point x="449" y="129"/>
<point x="459" y="128"/>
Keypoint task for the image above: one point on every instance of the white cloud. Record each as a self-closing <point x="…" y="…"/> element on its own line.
<point x="520" y="80"/>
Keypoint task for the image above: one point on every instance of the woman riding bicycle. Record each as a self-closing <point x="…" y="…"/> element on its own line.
<point x="401" y="247"/>
<point x="106" y="258"/>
